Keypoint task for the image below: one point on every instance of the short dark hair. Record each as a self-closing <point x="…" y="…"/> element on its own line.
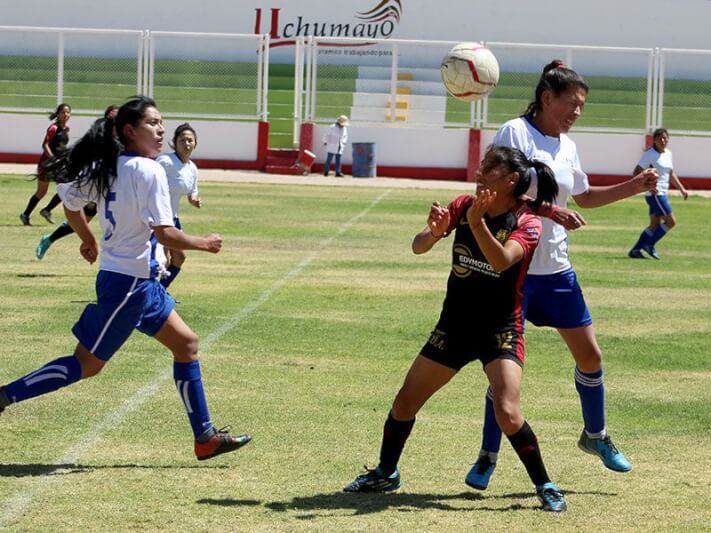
<point x="185" y="126"/>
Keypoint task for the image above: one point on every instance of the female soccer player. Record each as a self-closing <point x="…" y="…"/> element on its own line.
<point x="131" y="193"/>
<point x="495" y="234"/>
<point x="552" y="296"/>
<point x="55" y="142"/>
<point x="182" y="181"/>
<point x="661" y="218"/>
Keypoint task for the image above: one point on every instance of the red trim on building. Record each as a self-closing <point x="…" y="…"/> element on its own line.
<point x="262" y="144"/>
<point x="306" y="137"/>
<point x="474" y="155"/>
<point x="648" y="141"/>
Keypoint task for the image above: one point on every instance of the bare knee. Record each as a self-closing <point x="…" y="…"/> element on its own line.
<point x="589" y="360"/>
<point x="405" y="406"/>
<point x="508" y="415"/>
<point x="188" y="350"/>
<point x="90" y="364"/>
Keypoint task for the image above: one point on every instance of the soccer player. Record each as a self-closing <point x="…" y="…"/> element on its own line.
<point x="131" y="192"/>
<point x="661" y="218"/>
<point x="552" y="296"/>
<point x="182" y="181"/>
<point x="55" y="142"/>
<point x="495" y="233"/>
<point x="89" y="139"/>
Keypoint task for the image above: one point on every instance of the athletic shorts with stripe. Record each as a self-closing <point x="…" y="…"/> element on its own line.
<point x="555" y="300"/>
<point x="123" y="303"/>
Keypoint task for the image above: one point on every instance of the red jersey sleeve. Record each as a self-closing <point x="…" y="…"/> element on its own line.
<point x="528" y="231"/>
<point x="49" y="136"/>
<point x="456" y="207"/>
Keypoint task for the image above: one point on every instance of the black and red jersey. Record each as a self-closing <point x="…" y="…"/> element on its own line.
<point x="478" y="298"/>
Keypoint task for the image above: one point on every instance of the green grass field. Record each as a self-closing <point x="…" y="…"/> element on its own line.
<point x="223" y="88"/>
<point x="308" y="320"/>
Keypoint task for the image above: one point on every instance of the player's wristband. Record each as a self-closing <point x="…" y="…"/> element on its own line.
<point x="548" y="210"/>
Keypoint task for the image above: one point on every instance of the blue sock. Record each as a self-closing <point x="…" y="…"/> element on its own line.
<point x="52" y="376"/>
<point x="660" y="232"/>
<point x="174" y="271"/>
<point x="188" y="379"/>
<point x="592" y="398"/>
<point x="491" y="438"/>
<point x="643" y="239"/>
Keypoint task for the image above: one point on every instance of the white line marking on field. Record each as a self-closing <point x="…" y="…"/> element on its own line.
<point x="15" y="505"/>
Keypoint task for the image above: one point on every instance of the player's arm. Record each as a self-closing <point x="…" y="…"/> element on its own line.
<point x="89" y="249"/>
<point x="643" y="181"/>
<point x="677" y="183"/>
<point x="172" y="237"/>
<point x="437" y="228"/>
<point x="499" y="256"/>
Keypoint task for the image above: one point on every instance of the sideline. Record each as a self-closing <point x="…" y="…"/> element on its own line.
<point x="15" y="506"/>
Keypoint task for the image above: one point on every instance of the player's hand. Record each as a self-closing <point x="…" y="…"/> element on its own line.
<point x="684" y="193"/>
<point x="89" y="251"/>
<point x="213" y="243"/>
<point x="646" y="181"/>
<point x="195" y="201"/>
<point x="438" y="220"/>
<point x="568" y="218"/>
<point x="481" y="203"/>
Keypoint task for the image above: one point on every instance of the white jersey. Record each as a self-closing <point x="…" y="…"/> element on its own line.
<point x="182" y="178"/>
<point x="561" y="155"/>
<point x="663" y="163"/>
<point x="137" y="201"/>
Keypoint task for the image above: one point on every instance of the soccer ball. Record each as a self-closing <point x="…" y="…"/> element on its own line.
<point x="469" y="71"/>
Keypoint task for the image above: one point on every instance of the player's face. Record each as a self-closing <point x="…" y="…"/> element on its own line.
<point x="63" y="116"/>
<point x="660" y="142"/>
<point x="146" y="137"/>
<point x="492" y="175"/>
<point x="564" y="109"/>
<point x="185" y="144"/>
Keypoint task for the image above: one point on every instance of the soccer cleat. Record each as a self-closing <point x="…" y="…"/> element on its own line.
<point x="47" y="215"/>
<point x="25" y="219"/>
<point x="651" y="251"/>
<point x="374" y="481"/>
<point x="221" y="442"/>
<point x="479" y="475"/>
<point x="551" y="498"/>
<point x="634" y="253"/>
<point x="611" y="457"/>
<point x="43" y="246"/>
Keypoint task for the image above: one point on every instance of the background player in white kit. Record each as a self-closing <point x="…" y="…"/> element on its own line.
<point x="661" y="218"/>
<point x="552" y="296"/>
<point x="132" y="197"/>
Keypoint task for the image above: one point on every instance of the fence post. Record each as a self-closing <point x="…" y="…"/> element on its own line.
<point x="60" y="67"/>
<point x="474" y="155"/>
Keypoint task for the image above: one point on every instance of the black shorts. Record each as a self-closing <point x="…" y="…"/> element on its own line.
<point x="456" y="348"/>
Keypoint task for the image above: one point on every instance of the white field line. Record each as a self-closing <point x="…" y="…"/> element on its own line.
<point x="14" y="506"/>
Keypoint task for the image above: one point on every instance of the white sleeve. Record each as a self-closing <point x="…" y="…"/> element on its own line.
<point x="153" y="194"/>
<point x="194" y="190"/>
<point x="646" y="159"/>
<point x="580" y="178"/>
<point x="509" y="136"/>
<point x="73" y="197"/>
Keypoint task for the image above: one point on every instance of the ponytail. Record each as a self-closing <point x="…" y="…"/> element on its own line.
<point x="547" y="188"/>
<point x="558" y="78"/>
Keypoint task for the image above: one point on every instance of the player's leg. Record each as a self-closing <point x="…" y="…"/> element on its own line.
<point x="589" y="383"/>
<point x="479" y="475"/>
<point x="327" y="164"/>
<point x="644" y="237"/>
<point x="41" y="190"/>
<point x="505" y="380"/>
<point x="424" y="378"/>
<point x="666" y="221"/>
<point x="46" y="212"/>
<point x="175" y="264"/>
<point x="337" y="165"/>
<point x="177" y="336"/>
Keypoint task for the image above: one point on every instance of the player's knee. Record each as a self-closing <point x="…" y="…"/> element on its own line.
<point x="405" y="407"/>
<point x="508" y="415"/>
<point x="670" y="223"/>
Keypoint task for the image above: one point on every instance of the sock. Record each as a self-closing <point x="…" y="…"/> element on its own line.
<point x="52" y="376"/>
<point x="62" y="230"/>
<point x="174" y="271"/>
<point x="643" y="239"/>
<point x="491" y="433"/>
<point x="188" y="380"/>
<point x="525" y="443"/>
<point x="54" y="202"/>
<point x="592" y="399"/>
<point x="31" y="204"/>
<point x="395" y="434"/>
<point x="660" y="232"/>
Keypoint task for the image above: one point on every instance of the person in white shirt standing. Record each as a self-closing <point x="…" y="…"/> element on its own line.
<point x="183" y="182"/>
<point x="131" y="193"/>
<point x="335" y="141"/>
<point x="661" y="218"/>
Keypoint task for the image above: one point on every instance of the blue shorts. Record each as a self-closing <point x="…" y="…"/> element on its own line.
<point x="176" y="223"/>
<point x="659" y="205"/>
<point x="123" y="303"/>
<point x="555" y="300"/>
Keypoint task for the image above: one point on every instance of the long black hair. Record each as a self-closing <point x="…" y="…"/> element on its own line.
<point x="92" y="159"/>
<point x="558" y="78"/>
<point x="185" y="126"/>
<point x="514" y="160"/>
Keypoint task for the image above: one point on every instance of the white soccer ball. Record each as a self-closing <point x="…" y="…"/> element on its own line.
<point x="469" y="71"/>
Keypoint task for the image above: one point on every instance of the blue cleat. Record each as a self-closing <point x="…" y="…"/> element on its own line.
<point x="374" y="481"/>
<point x="551" y="498"/>
<point x="611" y="457"/>
<point x="635" y="253"/>
<point x="651" y="251"/>
<point x="25" y="219"/>
<point x="479" y="475"/>
<point x="42" y="247"/>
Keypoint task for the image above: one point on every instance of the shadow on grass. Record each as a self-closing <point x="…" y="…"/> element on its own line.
<point x="38" y="470"/>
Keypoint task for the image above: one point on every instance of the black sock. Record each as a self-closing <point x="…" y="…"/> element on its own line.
<point x="63" y="230"/>
<point x="525" y="443"/>
<point x="54" y="202"/>
<point x="395" y="434"/>
<point x="31" y="205"/>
